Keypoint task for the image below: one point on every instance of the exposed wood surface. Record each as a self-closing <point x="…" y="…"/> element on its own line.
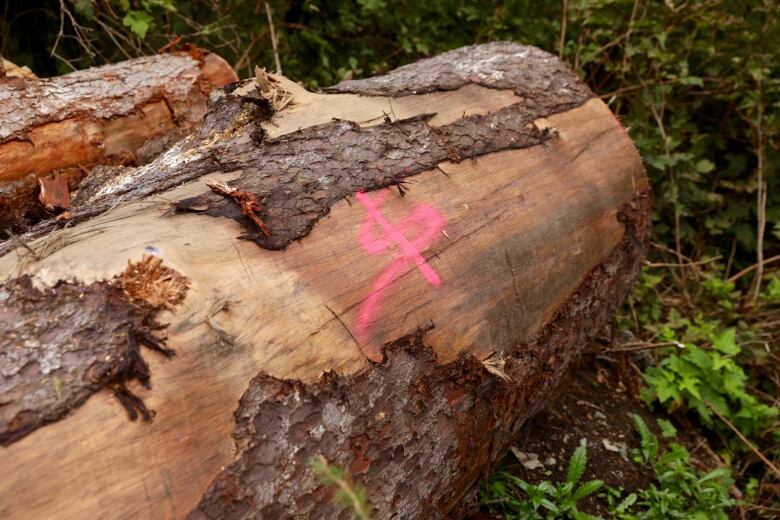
<point x="530" y="251"/>
<point x="11" y="70"/>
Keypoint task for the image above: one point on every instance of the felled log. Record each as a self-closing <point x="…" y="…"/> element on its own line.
<point x="392" y="274"/>
<point x="125" y="113"/>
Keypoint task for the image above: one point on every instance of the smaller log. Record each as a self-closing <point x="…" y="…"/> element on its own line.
<point x="126" y="113"/>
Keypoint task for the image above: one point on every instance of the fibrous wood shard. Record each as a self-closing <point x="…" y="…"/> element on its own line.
<point x="523" y="222"/>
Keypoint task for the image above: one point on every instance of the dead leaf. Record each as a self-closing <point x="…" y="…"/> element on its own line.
<point x="54" y="193"/>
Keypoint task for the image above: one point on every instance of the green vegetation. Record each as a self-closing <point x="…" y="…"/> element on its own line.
<point x="513" y="497"/>
<point x="349" y="494"/>
<point x="700" y="379"/>
<point x="679" y="490"/>
<point x="697" y="84"/>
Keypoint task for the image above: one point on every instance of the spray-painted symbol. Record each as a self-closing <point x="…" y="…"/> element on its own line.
<point x="377" y="236"/>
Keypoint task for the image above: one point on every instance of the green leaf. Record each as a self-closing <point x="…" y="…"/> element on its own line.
<point x="726" y="342"/>
<point x="577" y="463"/>
<point x="350" y="495"/>
<point x="718" y="473"/>
<point x="85" y="9"/>
<point x="626" y="503"/>
<point x="692" y="80"/>
<point x="668" y="431"/>
<point x="165" y="4"/>
<point x="588" y="488"/>
<point x="691" y="384"/>
<point x="139" y="22"/>
<point x="648" y="441"/>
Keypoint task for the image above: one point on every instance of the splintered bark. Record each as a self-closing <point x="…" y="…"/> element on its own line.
<point x="125" y="113"/>
<point x="392" y="274"/>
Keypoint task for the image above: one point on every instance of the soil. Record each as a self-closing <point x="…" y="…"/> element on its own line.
<point x="593" y="406"/>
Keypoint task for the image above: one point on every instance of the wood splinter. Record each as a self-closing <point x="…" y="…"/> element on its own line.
<point x="247" y="200"/>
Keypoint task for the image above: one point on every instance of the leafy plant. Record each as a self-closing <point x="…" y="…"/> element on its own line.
<point x="700" y="379"/>
<point x="679" y="490"/>
<point x="349" y="494"/>
<point x="140" y="21"/>
<point x="512" y="496"/>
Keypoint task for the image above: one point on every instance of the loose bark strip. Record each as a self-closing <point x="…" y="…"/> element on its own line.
<point x="544" y="224"/>
<point x="535" y="75"/>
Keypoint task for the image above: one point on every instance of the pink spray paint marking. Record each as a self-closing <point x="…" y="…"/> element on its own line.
<point x="426" y="222"/>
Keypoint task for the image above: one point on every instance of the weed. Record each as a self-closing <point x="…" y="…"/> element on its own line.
<point x="349" y="494"/>
<point x="679" y="490"/>
<point x="698" y="378"/>
<point x="513" y="497"/>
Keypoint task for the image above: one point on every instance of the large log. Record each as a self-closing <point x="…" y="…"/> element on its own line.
<point x="392" y="274"/>
<point x="126" y="113"/>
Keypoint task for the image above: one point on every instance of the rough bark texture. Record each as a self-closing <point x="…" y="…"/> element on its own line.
<point x="126" y="113"/>
<point x="341" y="159"/>
<point x="182" y="80"/>
<point x="415" y="434"/>
<point x="17" y="201"/>
<point x="59" y="345"/>
<point x="532" y="73"/>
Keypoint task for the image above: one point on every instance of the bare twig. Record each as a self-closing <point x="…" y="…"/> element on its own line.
<point x="753" y="268"/>
<point x="244" y="59"/>
<point x="273" y="39"/>
<point x="761" y="195"/>
<point x="669" y="250"/>
<point x="640" y="345"/>
<point x="564" y="20"/>
<point x="731" y="258"/>
<point x="690" y="264"/>
<point x="744" y="439"/>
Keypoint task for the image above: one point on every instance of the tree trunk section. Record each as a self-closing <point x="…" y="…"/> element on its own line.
<point x="126" y="113"/>
<point x="392" y="274"/>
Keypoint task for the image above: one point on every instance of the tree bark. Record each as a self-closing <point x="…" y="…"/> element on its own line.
<point x="392" y="274"/>
<point x="126" y="113"/>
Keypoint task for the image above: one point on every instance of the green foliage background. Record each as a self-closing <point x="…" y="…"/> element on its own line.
<point x="696" y="82"/>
